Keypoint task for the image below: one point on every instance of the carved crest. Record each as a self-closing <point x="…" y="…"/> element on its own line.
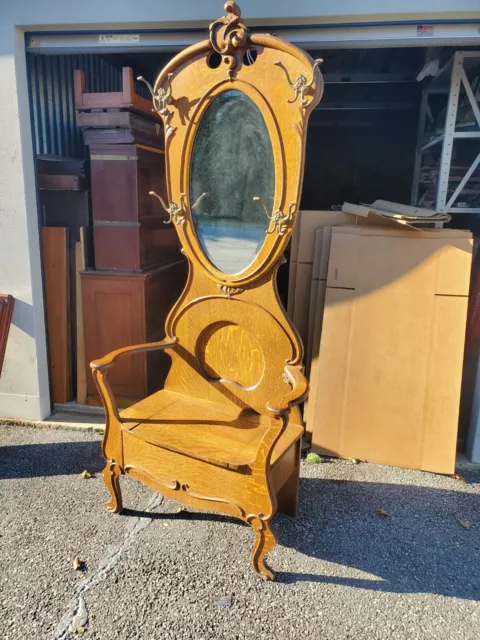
<point x="229" y="37"/>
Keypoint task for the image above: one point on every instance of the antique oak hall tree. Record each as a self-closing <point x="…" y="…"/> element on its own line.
<point x="224" y="434"/>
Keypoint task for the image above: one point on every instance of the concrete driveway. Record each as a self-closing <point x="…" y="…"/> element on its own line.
<point x="344" y="571"/>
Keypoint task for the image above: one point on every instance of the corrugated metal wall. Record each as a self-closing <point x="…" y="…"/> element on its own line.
<point x="52" y="99"/>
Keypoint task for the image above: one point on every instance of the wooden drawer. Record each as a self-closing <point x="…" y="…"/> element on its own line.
<point x="192" y="482"/>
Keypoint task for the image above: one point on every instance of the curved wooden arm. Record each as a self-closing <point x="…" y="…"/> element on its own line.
<point x="101" y="366"/>
<point x="298" y="393"/>
<point x="107" y="361"/>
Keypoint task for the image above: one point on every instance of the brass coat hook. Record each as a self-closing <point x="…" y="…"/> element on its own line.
<point x="163" y="97"/>
<point x="277" y="218"/>
<point x="300" y="86"/>
<point x="175" y="211"/>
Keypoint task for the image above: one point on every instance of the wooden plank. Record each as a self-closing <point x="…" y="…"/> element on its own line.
<point x="128" y="88"/>
<point x="55" y="269"/>
<point x="81" y="362"/>
<point x="113" y="99"/>
<point x="78" y="87"/>
<point x="6" y="311"/>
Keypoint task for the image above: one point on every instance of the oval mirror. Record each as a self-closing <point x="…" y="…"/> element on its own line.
<point x="232" y="163"/>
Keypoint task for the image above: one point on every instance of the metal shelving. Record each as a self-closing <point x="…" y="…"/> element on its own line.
<point x="449" y="80"/>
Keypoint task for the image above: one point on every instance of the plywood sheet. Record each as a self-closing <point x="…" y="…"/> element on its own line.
<point x="6" y="311"/>
<point x="56" y="282"/>
<point x="387" y="384"/>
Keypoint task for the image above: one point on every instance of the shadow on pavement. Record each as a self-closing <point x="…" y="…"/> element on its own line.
<point x="420" y="547"/>
<point x="50" y="459"/>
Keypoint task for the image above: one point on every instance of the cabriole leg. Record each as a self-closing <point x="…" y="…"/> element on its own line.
<point x="265" y="541"/>
<point x="110" y="476"/>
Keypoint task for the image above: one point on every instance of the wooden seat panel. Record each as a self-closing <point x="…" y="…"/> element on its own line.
<point x="204" y="430"/>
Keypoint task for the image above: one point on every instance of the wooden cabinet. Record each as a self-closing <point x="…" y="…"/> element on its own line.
<point x="139" y="271"/>
<point x="121" y="309"/>
<point x="130" y="233"/>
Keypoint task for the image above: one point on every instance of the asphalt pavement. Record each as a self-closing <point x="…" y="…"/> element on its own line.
<point x="375" y="553"/>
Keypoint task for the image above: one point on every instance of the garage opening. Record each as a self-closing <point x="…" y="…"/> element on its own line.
<point x="373" y="136"/>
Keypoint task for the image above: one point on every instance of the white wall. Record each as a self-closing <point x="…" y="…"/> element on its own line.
<point x="24" y="383"/>
<point x="168" y="13"/>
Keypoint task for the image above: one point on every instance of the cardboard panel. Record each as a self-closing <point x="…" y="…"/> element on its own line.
<point x="302" y="297"/>
<point x="311" y="322"/>
<point x="292" y="276"/>
<point x="317" y="262"/>
<point x="309" y="413"/>
<point x="437" y="261"/>
<point x="295" y="239"/>
<point x="442" y="401"/>
<point x="327" y="417"/>
<point x="309" y="221"/>
<point x="386" y="386"/>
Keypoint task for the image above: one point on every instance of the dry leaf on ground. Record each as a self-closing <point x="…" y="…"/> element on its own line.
<point x="466" y="524"/>
<point x="382" y="513"/>
<point x="351" y="461"/>
<point x="77" y="563"/>
<point x="86" y="474"/>
<point x="457" y="476"/>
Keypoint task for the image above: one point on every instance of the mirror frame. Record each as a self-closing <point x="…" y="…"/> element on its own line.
<point x="284" y="83"/>
<point x="277" y="154"/>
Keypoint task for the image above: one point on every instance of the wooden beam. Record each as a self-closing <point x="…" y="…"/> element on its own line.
<point x="81" y="363"/>
<point x="55" y="269"/>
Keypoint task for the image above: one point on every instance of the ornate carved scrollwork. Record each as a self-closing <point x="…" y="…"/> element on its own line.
<point x="230" y="291"/>
<point x="300" y="85"/>
<point x="199" y="496"/>
<point x="278" y="220"/>
<point x="229" y="37"/>
<point x="175" y="485"/>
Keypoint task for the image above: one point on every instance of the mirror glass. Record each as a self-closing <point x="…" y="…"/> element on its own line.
<point x="232" y="163"/>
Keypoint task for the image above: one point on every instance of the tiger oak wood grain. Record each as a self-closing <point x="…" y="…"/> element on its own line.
<point x="224" y="434"/>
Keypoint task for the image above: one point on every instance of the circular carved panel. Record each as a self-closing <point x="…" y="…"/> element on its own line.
<point x="229" y="352"/>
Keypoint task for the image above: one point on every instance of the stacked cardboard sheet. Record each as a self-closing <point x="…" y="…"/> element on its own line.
<point x="384" y="325"/>
<point x="401" y="213"/>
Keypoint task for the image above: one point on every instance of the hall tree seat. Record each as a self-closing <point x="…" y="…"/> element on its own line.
<point x="224" y="434"/>
<point x="204" y="430"/>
